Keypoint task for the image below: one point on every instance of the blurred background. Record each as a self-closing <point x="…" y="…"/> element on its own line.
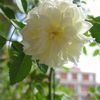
<point x="74" y="82"/>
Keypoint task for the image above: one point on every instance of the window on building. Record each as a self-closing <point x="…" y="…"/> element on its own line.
<point x="74" y="76"/>
<point x="63" y="75"/>
<point x="84" y="88"/>
<point x="85" y="77"/>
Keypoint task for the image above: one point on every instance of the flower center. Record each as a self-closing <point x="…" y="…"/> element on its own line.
<point x="53" y="35"/>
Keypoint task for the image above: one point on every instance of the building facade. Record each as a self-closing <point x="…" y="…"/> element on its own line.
<point x="79" y="81"/>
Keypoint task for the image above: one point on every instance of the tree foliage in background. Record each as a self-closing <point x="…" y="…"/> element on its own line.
<point x="95" y="92"/>
<point x="12" y="17"/>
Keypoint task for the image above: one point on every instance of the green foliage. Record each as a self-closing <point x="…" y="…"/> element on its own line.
<point x="7" y="12"/>
<point x="84" y="50"/>
<point x="35" y="2"/>
<point x="95" y="30"/>
<point x="84" y="2"/>
<point x="93" y="44"/>
<point x="87" y="34"/>
<point x="17" y="46"/>
<point x="95" y="92"/>
<point x="63" y="93"/>
<point x="18" y="24"/>
<point x="66" y="69"/>
<point x="19" y="63"/>
<point x="22" y="5"/>
<point x="38" y="76"/>
<point x="92" y="89"/>
<point x="4" y="26"/>
<point x="1" y="1"/>
<point x="98" y="88"/>
<point x="42" y="67"/>
<point x="95" y="33"/>
<point x="2" y="41"/>
<point x="33" y="87"/>
<point x="96" y="52"/>
<point x="76" y="1"/>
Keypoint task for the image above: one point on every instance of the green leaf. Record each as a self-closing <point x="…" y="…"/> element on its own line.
<point x="85" y="50"/>
<point x="7" y="12"/>
<point x="87" y="34"/>
<point x="94" y="19"/>
<point x="18" y="24"/>
<point x="1" y="1"/>
<point x="2" y="41"/>
<point x="19" y="63"/>
<point x="22" y="5"/>
<point x="83" y="2"/>
<point x="97" y="96"/>
<point x="66" y="69"/>
<point x="92" y="89"/>
<point x="19" y="68"/>
<point x="76" y="1"/>
<point x="96" y="52"/>
<point x="35" y="2"/>
<point x="38" y="76"/>
<point x="17" y="46"/>
<point x="40" y="88"/>
<point x="93" y="44"/>
<point x="66" y="98"/>
<point x="98" y="88"/>
<point x="95" y="30"/>
<point x="42" y="67"/>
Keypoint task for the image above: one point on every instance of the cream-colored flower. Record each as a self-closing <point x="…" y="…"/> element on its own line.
<point x="54" y="32"/>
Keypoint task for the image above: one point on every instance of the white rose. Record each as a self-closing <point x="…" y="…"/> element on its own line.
<point x="54" y="32"/>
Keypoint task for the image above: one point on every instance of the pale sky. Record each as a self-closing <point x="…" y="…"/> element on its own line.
<point x="89" y="63"/>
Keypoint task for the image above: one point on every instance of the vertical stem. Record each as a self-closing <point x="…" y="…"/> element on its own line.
<point x="54" y="84"/>
<point x="51" y="84"/>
